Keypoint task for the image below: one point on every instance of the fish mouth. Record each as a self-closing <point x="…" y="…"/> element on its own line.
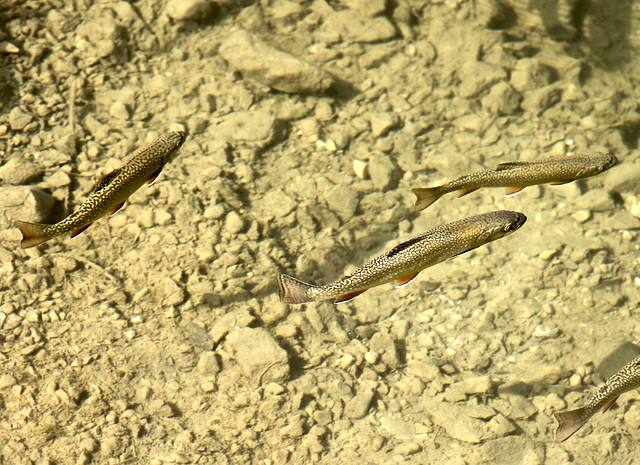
<point x="520" y="220"/>
<point x="613" y="160"/>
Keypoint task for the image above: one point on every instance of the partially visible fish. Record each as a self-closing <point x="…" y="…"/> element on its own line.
<point x="517" y="175"/>
<point x="626" y="379"/>
<point x="406" y="260"/>
<point x="110" y="192"/>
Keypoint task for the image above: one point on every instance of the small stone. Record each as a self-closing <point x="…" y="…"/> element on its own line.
<point x="530" y="74"/>
<point x="623" y="178"/>
<point x="119" y="110"/>
<point x="8" y="47"/>
<point x="343" y="200"/>
<point x="407" y="448"/>
<point x="198" y="337"/>
<point x="403" y="430"/>
<point x="18" y="119"/>
<point x="189" y="10"/>
<point x="475" y="385"/>
<point x="7" y="381"/>
<point x="260" y="62"/>
<point x="521" y="407"/>
<point x="538" y="100"/>
<point x="258" y="354"/>
<point x="274" y="389"/>
<point x="233" y="223"/>
<point x="382" y="122"/>
<point x="476" y="77"/>
<point x="173" y="294"/>
<point x="256" y="128"/>
<point x="360" y="168"/>
<point x="162" y="217"/>
<point x="23" y="203"/>
<point x="322" y="417"/>
<point x="384" y="172"/>
<point x="358" y="406"/>
<point x="384" y="345"/>
<point x="21" y="171"/>
<point x="208" y="364"/>
<point x="581" y="216"/>
<point x="56" y="180"/>
<point x="597" y="200"/>
<point x="425" y="370"/>
<point x="350" y="25"/>
<point x="502" y="99"/>
<point x="274" y="204"/>
<point x="226" y="323"/>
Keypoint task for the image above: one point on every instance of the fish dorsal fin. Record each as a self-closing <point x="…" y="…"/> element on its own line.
<point x="106" y="180"/>
<point x="509" y="165"/>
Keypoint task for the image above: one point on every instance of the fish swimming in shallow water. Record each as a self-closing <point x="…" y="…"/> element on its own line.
<point x="110" y="192"/>
<point x="515" y="176"/>
<point x="626" y="379"/>
<point x="402" y="263"/>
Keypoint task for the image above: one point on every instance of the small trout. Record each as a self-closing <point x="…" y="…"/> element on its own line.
<point x="406" y="260"/>
<point x="517" y="175"/>
<point x="110" y="192"/>
<point x="626" y="379"/>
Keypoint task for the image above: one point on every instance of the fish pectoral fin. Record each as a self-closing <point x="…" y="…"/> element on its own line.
<point x="464" y="192"/>
<point x="560" y="183"/>
<point x="513" y="190"/>
<point x="404" y="280"/>
<point x="152" y="178"/>
<point x="106" y="180"/>
<point x="79" y="230"/>
<point x="348" y="297"/>
<point x="609" y="404"/>
<point x="510" y="165"/>
<point x="115" y="209"/>
<point x="462" y="253"/>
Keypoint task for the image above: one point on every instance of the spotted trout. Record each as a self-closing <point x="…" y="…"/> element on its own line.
<point x="517" y="175"/>
<point x="110" y="192"/>
<point x="402" y="263"/>
<point x="626" y="379"/>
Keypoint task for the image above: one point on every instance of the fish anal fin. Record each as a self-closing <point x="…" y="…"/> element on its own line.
<point x="464" y="192"/>
<point x="404" y="280"/>
<point x="106" y="180"/>
<point x="510" y="165"/>
<point x="348" y="297"/>
<point x="80" y="230"/>
<point x="569" y="423"/>
<point x="609" y="404"/>
<point x="152" y="178"/>
<point x="560" y="183"/>
<point x="115" y="209"/>
<point x="512" y="190"/>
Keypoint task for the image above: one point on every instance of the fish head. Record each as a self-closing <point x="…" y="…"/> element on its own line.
<point x="174" y="141"/>
<point x="500" y="224"/>
<point x="597" y="163"/>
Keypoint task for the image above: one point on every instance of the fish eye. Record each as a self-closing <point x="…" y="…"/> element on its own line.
<point x="509" y="227"/>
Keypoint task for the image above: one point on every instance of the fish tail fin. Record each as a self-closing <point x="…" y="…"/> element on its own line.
<point x="32" y="233"/>
<point x="426" y="196"/>
<point x="292" y="290"/>
<point x="569" y="422"/>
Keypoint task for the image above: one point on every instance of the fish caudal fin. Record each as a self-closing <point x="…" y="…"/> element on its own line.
<point x="292" y="290"/>
<point x="32" y="233"/>
<point x="569" y="422"/>
<point x="426" y="196"/>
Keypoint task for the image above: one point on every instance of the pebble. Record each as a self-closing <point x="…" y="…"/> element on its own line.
<point x="425" y="370"/>
<point x="476" y="77"/>
<point x="190" y="10"/>
<point x="258" y="355"/>
<point x="358" y="406"/>
<point x="360" y="168"/>
<point x="260" y="62"/>
<point x="384" y="345"/>
<point x="172" y="292"/>
<point x="538" y="100"/>
<point x="407" y="448"/>
<point x="258" y="128"/>
<point x="208" y="364"/>
<point x="384" y="172"/>
<point x="23" y="203"/>
<point x="233" y="223"/>
<point x="475" y="385"/>
<point x="597" y="200"/>
<point x="7" y="381"/>
<point x="502" y="99"/>
<point x="323" y="417"/>
<point x="530" y="74"/>
<point x="352" y="26"/>
<point x="18" y="119"/>
<point x="581" y="216"/>
<point x="382" y="122"/>
<point x="343" y="200"/>
<point x="625" y="177"/>
<point x="274" y="204"/>
<point x="20" y="171"/>
<point x="198" y="337"/>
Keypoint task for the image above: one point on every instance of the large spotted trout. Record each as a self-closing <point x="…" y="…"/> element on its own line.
<point x="626" y="379"/>
<point x="110" y="192"/>
<point x="402" y="263"/>
<point x="517" y="175"/>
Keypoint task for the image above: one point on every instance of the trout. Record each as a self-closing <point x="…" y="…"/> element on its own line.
<point x="626" y="379"/>
<point x="402" y="263"/>
<point x="517" y="175"/>
<point x="110" y="192"/>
